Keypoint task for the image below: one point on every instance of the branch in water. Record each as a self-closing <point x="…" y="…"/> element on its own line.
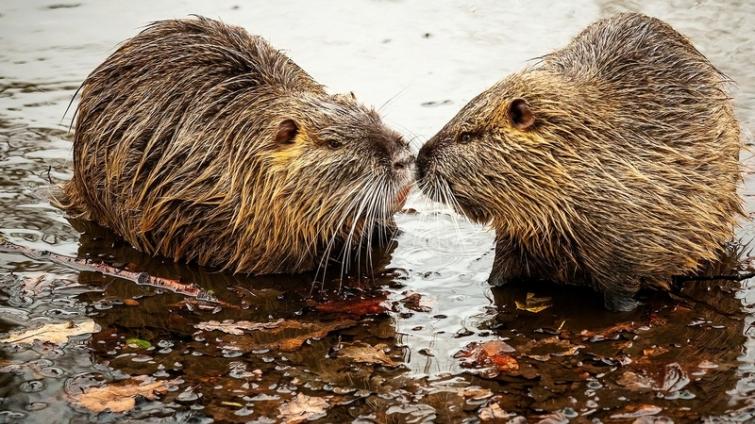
<point x="140" y="278"/>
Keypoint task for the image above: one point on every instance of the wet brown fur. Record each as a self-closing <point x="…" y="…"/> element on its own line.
<point x="626" y="177"/>
<point x="200" y="142"/>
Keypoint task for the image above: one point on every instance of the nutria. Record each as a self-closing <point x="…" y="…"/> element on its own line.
<point x="613" y="162"/>
<point x="200" y="142"/>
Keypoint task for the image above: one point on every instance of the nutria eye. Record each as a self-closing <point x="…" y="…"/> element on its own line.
<point x="334" y="144"/>
<point x="465" y="138"/>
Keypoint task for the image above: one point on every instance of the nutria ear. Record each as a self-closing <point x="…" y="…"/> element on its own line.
<point x="520" y="115"/>
<point x="287" y="131"/>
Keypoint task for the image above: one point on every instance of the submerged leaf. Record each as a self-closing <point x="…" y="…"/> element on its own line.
<point x="493" y="413"/>
<point x="358" y="307"/>
<point x="494" y="354"/>
<point x="237" y="327"/>
<point x="368" y="354"/>
<point x="57" y="333"/>
<point x="637" y="411"/>
<point x="119" y="397"/>
<point x="140" y="343"/>
<point x="303" y="408"/>
<point x="534" y="304"/>
<point x="287" y="336"/>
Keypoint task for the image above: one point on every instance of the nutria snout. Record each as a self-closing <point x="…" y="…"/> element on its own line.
<point x="200" y="142"/>
<point x="614" y="162"/>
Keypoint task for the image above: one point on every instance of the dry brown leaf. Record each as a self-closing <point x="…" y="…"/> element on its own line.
<point x="543" y="349"/>
<point x="493" y="413"/>
<point x="237" y="328"/>
<point x="637" y="411"/>
<point x="476" y="393"/>
<point x="534" y="304"/>
<point x="302" y="331"/>
<point x="119" y="397"/>
<point x="303" y="408"/>
<point x="493" y="353"/>
<point x="368" y="354"/>
<point x="316" y="331"/>
<point x="636" y="382"/>
<point x="57" y="333"/>
<point x="358" y="307"/>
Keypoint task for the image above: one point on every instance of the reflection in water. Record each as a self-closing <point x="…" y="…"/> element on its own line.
<point x="465" y="351"/>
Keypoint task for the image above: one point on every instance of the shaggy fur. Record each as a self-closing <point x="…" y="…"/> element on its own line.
<point x="200" y="142"/>
<point x="614" y="162"/>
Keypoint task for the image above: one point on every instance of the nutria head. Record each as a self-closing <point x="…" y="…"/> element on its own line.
<point x="333" y="169"/>
<point x="198" y="141"/>
<point x="495" y="160"/>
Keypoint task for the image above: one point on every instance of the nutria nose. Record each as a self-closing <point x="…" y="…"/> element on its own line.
<point x="404" y="162"/>
<point x="423" y="161"/>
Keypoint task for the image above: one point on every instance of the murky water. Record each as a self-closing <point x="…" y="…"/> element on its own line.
<point x="406" y="347"/>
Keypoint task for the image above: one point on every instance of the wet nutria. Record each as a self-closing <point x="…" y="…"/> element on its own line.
<point x="200" y="142"/>
<point x="613" y="162"/>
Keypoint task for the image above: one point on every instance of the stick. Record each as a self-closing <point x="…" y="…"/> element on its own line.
<point x="140" y="278"/>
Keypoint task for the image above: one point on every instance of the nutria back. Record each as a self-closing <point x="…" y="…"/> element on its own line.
<point x="614" y="162"/>
<point x="200" y="142"/>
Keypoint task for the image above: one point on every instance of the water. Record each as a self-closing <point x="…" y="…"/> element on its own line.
<point x="684" y="359"/>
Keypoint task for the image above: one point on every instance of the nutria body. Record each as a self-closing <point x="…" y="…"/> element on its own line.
<point x="200" y="142"/>
<point x="614" y="162"/>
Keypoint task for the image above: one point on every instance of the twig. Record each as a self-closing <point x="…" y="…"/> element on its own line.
<point x="140" y="278"/>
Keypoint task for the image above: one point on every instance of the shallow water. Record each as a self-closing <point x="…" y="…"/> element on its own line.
<point x="682" y="359"/>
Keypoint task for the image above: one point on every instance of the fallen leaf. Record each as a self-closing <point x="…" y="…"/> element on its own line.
<point x="476" y="392"/>
<point x="140" y="343"/>
<point x="609" y="332"/>
<point x="303" y="331"/>
<point x="120" y="397"/>
<point x="413" y="301"/>
<point x="543" y="349"/>
<point x="636" y="382"/>
<point x="57" y="333"/>
<point x="534" y="304"/>
<point x="303" y="408"/>
<point x="237" y="327"/>
<point x="493" y="412"/>
<point x="368" y="354"/>
<point x="358" y="307"/>
<point x="130" y="302"/>
<point x="638" y="411"/>
<point x="675" y="378"/>
<point x="493" y="353"/>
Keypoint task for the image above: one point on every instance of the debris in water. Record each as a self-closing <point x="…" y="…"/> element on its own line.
<point x="120" y="397"/>
<point x="636" y="411"/>
<point x="237" y="327"/>
<point x="138" y="343"/>
<point x="493" y="354"/>
<point x="534" y="304"/>
<point x="368" y="354"/>
<point x="358" y="307"/>
<point x="303" y="408"/>
<point x="493" y="413"/>
<point x="57" y="333"/>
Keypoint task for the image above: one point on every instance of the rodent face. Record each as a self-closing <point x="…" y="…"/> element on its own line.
<point x="339" y="168"/>
<point x="492" y="162"/>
